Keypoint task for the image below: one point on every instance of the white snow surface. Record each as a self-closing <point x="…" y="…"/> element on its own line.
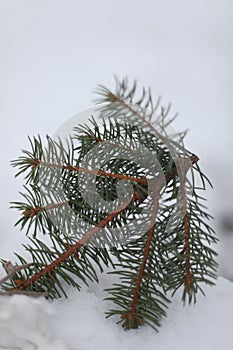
<point x="78" y="323"/>
<point x="24" y="324"/>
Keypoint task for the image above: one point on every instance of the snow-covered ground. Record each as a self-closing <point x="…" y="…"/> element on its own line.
<point x="78" y="323"/>
<point x="53" y="55"/>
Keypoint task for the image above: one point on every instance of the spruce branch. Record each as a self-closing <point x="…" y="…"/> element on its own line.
<point x="73" y="249"/>
<point x="133" y="318"/>
<point x="91" y="171"/>
<point x="11" y="272"/>
<point x="123" y="192"/>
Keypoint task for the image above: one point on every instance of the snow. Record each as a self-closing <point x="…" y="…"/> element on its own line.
<point x="53" y="55"/>
<point x="206" y="325"/>
<point x="78" y="323"/>
<point x="24" y="324"/>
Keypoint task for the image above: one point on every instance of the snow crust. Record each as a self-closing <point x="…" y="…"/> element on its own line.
<point x="24" y="324"/>
<point x="78" y="323"/>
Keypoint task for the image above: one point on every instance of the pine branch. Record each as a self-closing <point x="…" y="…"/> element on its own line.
<point x="120" y="105"/>
<point x="132" y="318"/>
<point x="158" y="233"/>
<point x="92" y="171"/>
<point x="48" y="269"/>
<point x="74" y="248"/>
<point x="11" y="272"/>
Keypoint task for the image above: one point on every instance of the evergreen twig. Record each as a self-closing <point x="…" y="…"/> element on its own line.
<point x="157" y="239"/>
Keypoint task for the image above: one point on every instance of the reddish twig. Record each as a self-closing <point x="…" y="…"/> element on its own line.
<point x="73" y="248"/>
<point x="25" y="292"/>
<point x="131" y="315"/>
<point x="11" y="272"/>
<point x="141" y="180"/>
<point x="188" y="275"/>
<point x="33" y="211"/>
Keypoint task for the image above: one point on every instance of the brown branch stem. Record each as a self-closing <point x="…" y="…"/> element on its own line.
<point x="141" y="180"/>
<point x="11" y="270"/>
<point x="188" y="274"/>
<point x="140" y="116"/>
<point x="25" y="292"/>
<point x="181" y="172"/>
<point x="73" y="249"/>
<point x="131" y="315"/>
<point x="33" y="211"/>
